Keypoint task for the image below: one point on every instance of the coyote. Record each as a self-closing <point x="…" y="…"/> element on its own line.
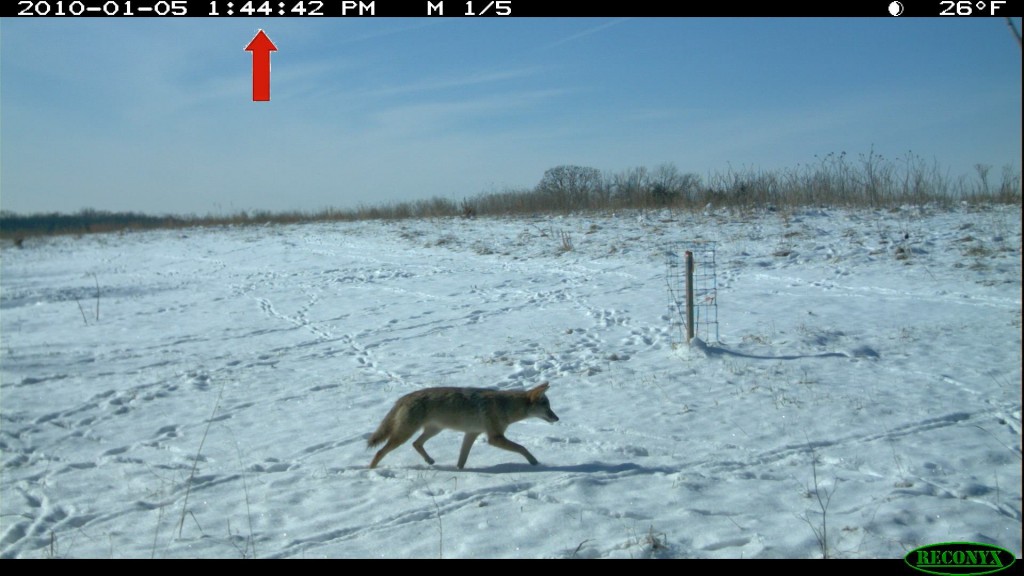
<point x="471" y="410"/>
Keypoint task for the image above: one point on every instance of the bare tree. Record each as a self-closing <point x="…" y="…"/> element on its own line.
<point x="669" y="185"/>
<point x="632" y="185"/>
<point x="570" y="187"/>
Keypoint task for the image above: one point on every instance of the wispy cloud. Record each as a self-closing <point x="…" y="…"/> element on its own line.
<point x="365" y="33"/>
<point x="450" y="83"/>
<point x="459" y="114"/>
<point x="585" y="33"/>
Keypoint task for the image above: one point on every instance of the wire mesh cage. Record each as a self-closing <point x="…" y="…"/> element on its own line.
<point x="703" y="287"/>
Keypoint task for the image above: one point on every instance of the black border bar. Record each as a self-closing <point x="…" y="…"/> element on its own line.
<point x="506" y="8"/>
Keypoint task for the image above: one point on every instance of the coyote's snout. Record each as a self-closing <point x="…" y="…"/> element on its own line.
<point x="474" y="411"/>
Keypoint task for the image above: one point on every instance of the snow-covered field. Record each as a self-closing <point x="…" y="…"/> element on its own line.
<point x="864" y="396"/>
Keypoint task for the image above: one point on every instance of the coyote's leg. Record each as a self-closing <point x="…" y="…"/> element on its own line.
<point x="428" y="433"/>
<point x="467" y="443"/>
<point x="499" y="441"/>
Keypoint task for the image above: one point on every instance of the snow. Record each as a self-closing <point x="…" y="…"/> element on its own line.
<point x="215" y="398"/>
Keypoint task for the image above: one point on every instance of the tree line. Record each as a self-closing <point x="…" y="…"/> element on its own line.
<point x="833" y="180"/>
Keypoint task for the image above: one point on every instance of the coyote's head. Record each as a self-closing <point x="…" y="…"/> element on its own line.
<point x="539" y="405"/>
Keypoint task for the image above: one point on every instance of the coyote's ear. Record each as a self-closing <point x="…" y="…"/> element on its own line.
<point x="537" y="392"/>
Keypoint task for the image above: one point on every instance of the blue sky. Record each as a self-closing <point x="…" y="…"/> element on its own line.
<point x="156" y="115"/>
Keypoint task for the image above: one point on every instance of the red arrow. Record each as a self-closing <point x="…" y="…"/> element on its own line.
<point x="261" y="47"/>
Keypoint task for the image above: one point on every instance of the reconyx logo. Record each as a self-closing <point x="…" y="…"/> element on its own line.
<point x="959" y="559"/>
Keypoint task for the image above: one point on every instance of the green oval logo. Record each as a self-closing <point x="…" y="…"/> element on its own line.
<point x="959" y="558"/>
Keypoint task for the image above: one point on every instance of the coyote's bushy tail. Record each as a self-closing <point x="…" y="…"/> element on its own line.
<point x="385" y="429"/>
